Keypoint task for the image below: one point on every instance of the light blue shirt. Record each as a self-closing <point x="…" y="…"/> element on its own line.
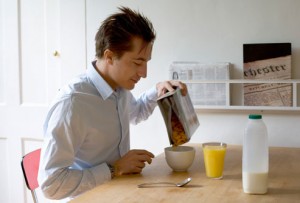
<point x="87" y="127"/>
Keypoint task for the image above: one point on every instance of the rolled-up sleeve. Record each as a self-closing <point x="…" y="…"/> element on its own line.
<point x="57" y="177"/>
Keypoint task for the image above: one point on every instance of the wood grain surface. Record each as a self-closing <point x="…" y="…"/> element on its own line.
<point x="284" y="181"/>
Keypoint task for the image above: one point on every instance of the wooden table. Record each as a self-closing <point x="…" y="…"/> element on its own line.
<point x="284" y="181"/>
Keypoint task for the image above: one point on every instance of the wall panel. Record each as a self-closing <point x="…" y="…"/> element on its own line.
<point x="3" y="171"/>
<point x="1" y="54"/>
<point x="33" y="52"/>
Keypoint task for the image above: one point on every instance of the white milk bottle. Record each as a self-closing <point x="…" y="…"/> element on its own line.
<point x="255" y="156"/>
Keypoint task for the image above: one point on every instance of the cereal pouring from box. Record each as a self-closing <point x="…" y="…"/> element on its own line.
<point x="179" y="115"/>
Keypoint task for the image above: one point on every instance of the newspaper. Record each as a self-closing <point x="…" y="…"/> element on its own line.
<point x="203" y="93"/>
<point x="179" y="115"/>
<point x="268" y="94"/>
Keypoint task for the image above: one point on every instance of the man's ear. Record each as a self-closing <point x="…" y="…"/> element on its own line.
<point x="109" y="56"/>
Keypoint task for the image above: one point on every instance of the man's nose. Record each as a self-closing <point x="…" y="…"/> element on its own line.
<point x="142" y="72"/>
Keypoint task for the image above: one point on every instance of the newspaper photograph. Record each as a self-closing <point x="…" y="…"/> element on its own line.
<point x="271" y="68"/>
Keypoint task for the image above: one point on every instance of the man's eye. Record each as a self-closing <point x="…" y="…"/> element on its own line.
<point x="137" y="63"/>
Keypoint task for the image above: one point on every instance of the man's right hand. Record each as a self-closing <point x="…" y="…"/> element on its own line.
<point x="132" y="162"/>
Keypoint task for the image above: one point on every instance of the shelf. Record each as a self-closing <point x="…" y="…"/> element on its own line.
<point x="260" y="108"/>
<point x="230" y="107"/>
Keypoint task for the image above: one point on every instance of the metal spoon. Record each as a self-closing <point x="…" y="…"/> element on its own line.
<point x="165" y="184"/>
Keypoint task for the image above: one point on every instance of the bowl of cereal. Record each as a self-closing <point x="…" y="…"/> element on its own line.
<point x="179" y="158"/>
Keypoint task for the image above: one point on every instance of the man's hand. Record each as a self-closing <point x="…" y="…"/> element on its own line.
<point x="168" y="86"/>
<point x="132" y="162"/>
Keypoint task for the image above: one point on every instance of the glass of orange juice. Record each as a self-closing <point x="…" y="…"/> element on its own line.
<point x="214" y="155"/>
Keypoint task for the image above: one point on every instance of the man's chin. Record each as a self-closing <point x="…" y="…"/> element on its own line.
<point x="129" y="87"/>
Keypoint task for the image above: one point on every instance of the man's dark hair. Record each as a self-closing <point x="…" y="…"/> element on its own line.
<point x="118" y="30"/>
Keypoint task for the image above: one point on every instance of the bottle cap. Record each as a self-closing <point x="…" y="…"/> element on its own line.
<point x="255" y="116"/>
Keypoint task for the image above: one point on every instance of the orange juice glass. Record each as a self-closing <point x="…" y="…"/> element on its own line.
<point x="214" y="156"/>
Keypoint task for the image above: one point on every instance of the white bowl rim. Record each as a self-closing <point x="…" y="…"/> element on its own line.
<point x="181" y="149"/>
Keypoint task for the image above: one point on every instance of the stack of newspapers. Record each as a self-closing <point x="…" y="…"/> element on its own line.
<point x="202" y="93"/>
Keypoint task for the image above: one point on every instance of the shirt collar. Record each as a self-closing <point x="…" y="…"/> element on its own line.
<point x="102" y="86"/>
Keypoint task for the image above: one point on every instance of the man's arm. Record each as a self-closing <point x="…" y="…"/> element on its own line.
<point x="142" y="107"/>
<point x="64" y="134"/>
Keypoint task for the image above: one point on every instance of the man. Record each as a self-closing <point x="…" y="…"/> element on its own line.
<point x="87" y="127"/>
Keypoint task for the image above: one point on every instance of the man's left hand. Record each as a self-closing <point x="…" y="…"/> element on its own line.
<point x="168" y="86"/>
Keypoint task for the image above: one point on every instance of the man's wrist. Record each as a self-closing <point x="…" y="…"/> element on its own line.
<point x="112" y="171"/>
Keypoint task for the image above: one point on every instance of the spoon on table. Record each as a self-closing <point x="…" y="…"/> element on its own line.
<point x="165" y="184"/>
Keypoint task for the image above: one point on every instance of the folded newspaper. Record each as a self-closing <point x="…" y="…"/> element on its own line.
<point x="179" y="115"/>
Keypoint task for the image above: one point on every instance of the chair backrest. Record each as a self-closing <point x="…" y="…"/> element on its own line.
<point x="30" y="166"/>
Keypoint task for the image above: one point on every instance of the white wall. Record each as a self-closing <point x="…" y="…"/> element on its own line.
<point x="209" y="31"/>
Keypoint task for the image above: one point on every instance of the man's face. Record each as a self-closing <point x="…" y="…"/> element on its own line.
<point x="126" y="71"/>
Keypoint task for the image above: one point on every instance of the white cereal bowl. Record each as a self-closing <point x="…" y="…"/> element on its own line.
<point x="180" y="158"/>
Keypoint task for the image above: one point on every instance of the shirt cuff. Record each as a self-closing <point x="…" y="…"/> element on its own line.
<point x="152" y="94"/>
<point x="101" y="173"/>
